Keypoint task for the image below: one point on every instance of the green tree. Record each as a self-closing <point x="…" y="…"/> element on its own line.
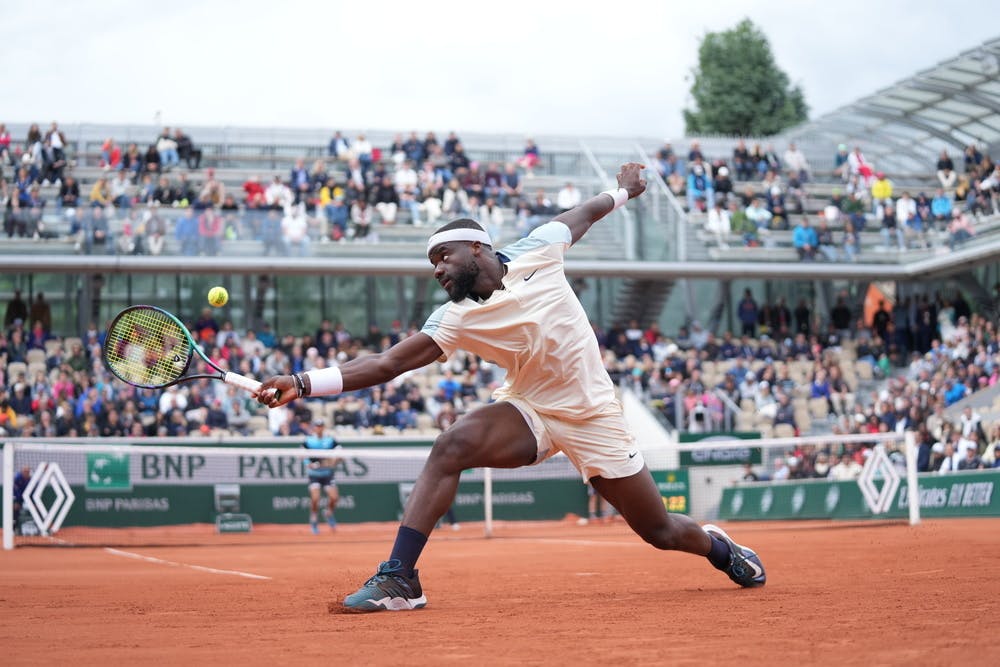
<point x="739" y="89"/>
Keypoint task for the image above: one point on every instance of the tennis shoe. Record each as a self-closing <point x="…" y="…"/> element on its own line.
<point x="744" y="566"/>
<point x="314" y="526"/>
<point x="388" y="589"/>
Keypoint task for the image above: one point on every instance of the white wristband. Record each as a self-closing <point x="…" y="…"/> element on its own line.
<point x="325" y="381"/>
<point x="620" y="196"/>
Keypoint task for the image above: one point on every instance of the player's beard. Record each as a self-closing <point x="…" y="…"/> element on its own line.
<point x="462" y="284"/>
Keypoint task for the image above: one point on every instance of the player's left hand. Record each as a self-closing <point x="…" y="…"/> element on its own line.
<point x="630" y="178"/>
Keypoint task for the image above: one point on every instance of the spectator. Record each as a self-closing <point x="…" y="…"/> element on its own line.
<point x="941" y="208"/>
<point x="166" y="147"/>
<point x="700" y="195"/>
<point x="718" y="224"/>
<point x="805" y="241"/>
<point x="859" y="168"/>
<point x="881" y="191"/>
<point x="385" y="200"/>
<point x="339" y="147"/>
<point x="186" y="150"/>
<point x="295" y="231"/>
<point x="41" y="312"/>
<point x="795" y="161"/>
<point x="891" y="228"/>
<point x="210" y="231"/>
<point x="568" y="197"/>
<point x="960" y="229"/>
<point x="529" y="158"/>
<point x="741" y="162"/>
<point x="17" y="309"/>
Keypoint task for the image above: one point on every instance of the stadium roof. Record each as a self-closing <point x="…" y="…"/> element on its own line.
<point x="904" y="127"/>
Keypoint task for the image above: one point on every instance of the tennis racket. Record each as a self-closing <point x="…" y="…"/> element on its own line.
<point x="148" y="347"/>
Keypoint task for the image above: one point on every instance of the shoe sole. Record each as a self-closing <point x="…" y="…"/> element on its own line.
<point x="387" y="604"/>
<point x="724" y="536"/>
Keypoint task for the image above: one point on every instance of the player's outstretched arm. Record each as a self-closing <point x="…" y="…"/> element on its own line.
<point x="413" y="352"/>
<point x="630" y="185"/>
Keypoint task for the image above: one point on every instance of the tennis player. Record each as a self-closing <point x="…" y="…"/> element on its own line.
<point x="320" y="472"/>
<point x="514" y="307"/>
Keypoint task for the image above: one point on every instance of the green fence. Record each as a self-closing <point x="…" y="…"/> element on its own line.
<point x="955" y="495"/>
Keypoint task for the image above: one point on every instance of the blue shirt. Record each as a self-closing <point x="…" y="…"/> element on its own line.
<point x="324" y="442"/>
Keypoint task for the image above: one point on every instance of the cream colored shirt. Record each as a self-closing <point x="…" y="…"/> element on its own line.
<point x="535" y="328"/>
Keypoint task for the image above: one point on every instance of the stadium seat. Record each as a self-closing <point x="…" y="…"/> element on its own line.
<point x="784" y="431"/>
<point x="35" y="356"/>
<point x="819" y="408"/>
<point x="14" y="369"/>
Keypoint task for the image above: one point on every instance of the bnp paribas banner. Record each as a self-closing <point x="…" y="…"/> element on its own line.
<point x="959" y="494"/>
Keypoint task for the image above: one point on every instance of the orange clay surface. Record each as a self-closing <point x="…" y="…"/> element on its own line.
<point x="537" y="593"/>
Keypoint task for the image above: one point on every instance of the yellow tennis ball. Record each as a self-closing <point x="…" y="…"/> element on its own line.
<point x="218" y="296"/>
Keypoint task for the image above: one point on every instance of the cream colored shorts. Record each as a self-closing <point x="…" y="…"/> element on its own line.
<point x="601" y="446"/>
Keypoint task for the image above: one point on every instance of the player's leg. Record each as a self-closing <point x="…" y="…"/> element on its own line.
<point x="639" y="502"/>
<point x="332" y="496"/>
<point x="314" y="492"/>
<point x="495" y="436"/>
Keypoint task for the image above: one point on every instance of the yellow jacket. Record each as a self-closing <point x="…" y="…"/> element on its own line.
<point x="882" y="189"/>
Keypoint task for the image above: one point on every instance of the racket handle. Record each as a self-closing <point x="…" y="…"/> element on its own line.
<point x="241" y="381"/>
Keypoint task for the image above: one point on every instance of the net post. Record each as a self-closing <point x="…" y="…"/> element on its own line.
<point x="488" y="501"/>
<point x="8" y="496"/>
<point x="912" y="485"/>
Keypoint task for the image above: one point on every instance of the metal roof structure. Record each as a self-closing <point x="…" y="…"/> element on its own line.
<point x="904" y="127"/>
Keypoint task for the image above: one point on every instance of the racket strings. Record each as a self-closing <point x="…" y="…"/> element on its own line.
<point x="147" y="347"/>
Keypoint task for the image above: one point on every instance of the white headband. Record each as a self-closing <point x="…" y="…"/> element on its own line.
<point x="464" y="234"/>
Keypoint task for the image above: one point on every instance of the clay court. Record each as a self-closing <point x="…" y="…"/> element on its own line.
<point x="540" y="593"/>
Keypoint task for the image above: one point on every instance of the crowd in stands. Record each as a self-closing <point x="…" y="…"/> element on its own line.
<point x="787" y="367"/>
<point x="143" y="197"/>
<point x="754" y="193"/>
<point x="924" y="354"/>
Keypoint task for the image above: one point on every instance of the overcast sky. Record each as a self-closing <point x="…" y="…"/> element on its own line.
<point x="542" y="67"/>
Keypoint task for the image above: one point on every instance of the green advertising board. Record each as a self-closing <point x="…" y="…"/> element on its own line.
<point x="960" y="494"/>
<point x="674" y="489"/>
<point x="724" y="456"/>
<point x="108" y="472"/>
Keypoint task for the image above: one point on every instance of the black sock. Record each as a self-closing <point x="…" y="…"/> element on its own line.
<point x="409" y="544"/>
<point x="718" y="555"/>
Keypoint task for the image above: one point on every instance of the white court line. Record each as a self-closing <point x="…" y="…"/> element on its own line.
<point x="585" y="543"/>
<point x="200" y="568"/>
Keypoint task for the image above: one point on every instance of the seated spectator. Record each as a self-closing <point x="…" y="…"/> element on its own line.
<point x="742" y="163"/>
<point x="824" y="241"/>
<point x="891" y="228"/>
<point x="945" y="170"/>
<point x="529" y="158"/>
<point x="941" y="207"/>
<point x="741" y="224"/>
<point x="295" y="231"/>
<point x="568" y="197"/>
<point x="186" y="150"/>
<point x="795" y="161"/>
<point x="700" y="195"/>
<point x="166" y="146"/>
<point x="805" y="241"/>
<point x="960" y="229"/>
<point x="718" y="223"/>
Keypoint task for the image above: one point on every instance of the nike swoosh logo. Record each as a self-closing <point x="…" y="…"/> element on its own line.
<point x="631" y="455"/>
<point x="528" y="277"/>
<point x="753" y="566"/>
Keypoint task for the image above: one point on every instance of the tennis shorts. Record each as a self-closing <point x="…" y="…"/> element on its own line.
<point x="321" y="480"/>
<point x="601" y="445"/>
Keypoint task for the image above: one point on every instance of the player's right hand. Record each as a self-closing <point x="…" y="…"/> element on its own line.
<point x="276" y="391"/>
<point x="630" y="178"/>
